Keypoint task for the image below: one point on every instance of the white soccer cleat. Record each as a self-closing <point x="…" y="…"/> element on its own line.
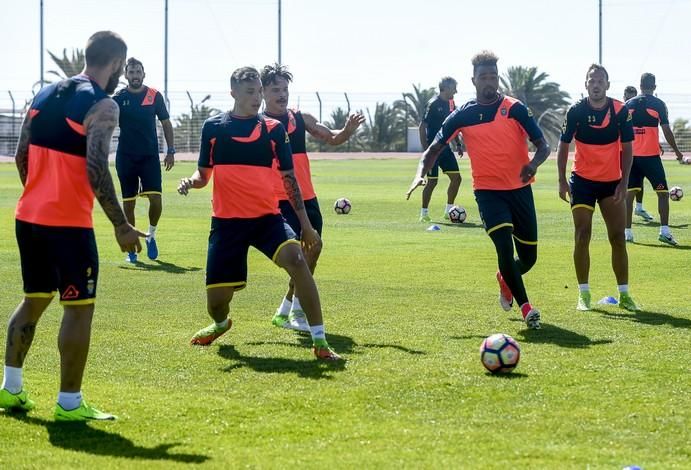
<point x="297" y="321"/>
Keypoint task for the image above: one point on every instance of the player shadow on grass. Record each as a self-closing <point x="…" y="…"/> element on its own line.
<point x="342" y="344"/>
<point x="549" y="334"/>
<point x="82" y="437"/>
<point x="662" y="245"/>
<point x="657" y="224"/>
<point x="647" y="317"/>
<point x="159" y="266"/>
<point x="463" y="225"/>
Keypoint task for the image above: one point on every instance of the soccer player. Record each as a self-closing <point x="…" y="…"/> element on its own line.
<point x="437" y="110"/>
<point x="62" y="158"/>
<point x="238" y="149"/>
<point x="276" y="80"/>
<point x="136" y="160"/>
<point x="494" y="129"/>
<point x="629" y="92"/>
<point x="603" y="132"/>
<point x="649" y="112"/>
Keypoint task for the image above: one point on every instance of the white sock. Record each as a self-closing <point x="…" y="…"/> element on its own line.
<point x="448" y="208"/>
<point x="628" y="232"/>
<point x="318" y="332"/>
<point x="223" y="324"/>
<point x="152" y="232"/>
<point x="296" y="304"/>
<point x="284" y="308"/>
<point x="69" y="400"/>
<point x="583" y="287"/>
<point x="424" y="211"/>
<point x="623" y="288"/>
<point x="12" y="380"/>
<point x="664" y="229"/>
<point x="639" y="206"/>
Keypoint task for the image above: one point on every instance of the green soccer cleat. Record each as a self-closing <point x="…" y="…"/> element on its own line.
<point x="425" y="219"/>
<point x="15" y="402"/>
<point x="446" y="216"/>
<point x="668" y="239"/>
<point x="583" y="301"/>
<point x="323" y="351"/>
<point x="84" y="412"/>
<point x="279" y="320"/>
<point x="206" y="336"/>
<point x="627" y="303"/>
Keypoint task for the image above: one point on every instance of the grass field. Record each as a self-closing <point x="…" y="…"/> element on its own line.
<point x="408" y="309"/>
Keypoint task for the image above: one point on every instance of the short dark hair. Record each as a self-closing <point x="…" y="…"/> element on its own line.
<point x="446" y="81"/>
<point x="647" y="81"/>
<point x="132" y="62"/>
<point x="630" y="90"/>
<point x="243" y="74"/>
<point x="484" y="58"/>
<point x="103" y="47"/>
<point x="599" y="68"/>
<point x="273" y="71"/>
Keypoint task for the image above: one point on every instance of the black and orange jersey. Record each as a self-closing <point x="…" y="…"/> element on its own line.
<point x="598" y="133"/>
<point x="294" y="123"/>
<point x="242" y="152"/>
<point x="138" y="113"/>
<point x="437" y="110"/>
<point x="495" y="137"/>
<point x="57" y="191"/>
<point x="647" y="113"/>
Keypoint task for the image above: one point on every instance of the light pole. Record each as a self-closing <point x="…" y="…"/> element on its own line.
<point x="600" y="33"/>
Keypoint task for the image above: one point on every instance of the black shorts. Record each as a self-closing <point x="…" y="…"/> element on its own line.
<point x="513" y="208"/>
<point x="139" y="176"/>
<point x="446" y="161"/>
<point x="229" y="242"/>
<point x="313" y="213"/>
<point x="63" y="259"/>
<point x="585" y="192"/>
<point x="650" y="168"/>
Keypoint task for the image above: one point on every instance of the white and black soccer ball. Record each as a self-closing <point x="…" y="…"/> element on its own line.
<point x="500" y="353"/>
<point x="676" y="193"/>
<point x="457" y="214"/>
<point x="342" y="206"/>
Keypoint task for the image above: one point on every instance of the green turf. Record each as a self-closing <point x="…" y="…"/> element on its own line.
<point x="408" y="309"/>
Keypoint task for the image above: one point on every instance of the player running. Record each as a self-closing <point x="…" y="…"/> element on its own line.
<point x="136" y="160"/>
<point x="62" y="157"/>
<point x="239" y="150"/>
<point x="276" y="80"/>
<point x="494" y="128"/>
<point x="437" y="110"/>
<point x="603" y="132"/>
<point x="649" y="112"/>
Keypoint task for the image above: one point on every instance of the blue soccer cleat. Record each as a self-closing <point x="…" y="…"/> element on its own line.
<point x="151" y="248"/>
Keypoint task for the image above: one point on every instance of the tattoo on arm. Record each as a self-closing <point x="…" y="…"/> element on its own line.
<point x="102" y="119"/>
<point x="21" y="156"/>
<point x="293" y="190"/>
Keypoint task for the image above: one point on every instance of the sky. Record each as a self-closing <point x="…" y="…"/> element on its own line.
<point x="371" y="50"/>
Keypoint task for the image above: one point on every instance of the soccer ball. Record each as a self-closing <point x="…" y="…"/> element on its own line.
<point x="676" y="193"/>
<point x="342" y="206"/>
<point x="457" y="214"/>
<point x="500" y="353"/>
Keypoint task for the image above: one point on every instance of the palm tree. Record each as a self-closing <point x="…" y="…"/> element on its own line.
<point x="547" y="102"/>
<point x="385" y="131"/>
<point x="69" y="66"/>
<point x="682" y="133"/>
<point x="188" y="125"/>
<point x="415" y="104"/>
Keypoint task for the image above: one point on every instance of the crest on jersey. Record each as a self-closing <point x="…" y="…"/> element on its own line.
<point x="503" y="111"/>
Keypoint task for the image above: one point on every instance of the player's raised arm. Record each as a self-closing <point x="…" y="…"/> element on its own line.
<point x="21" y="156"/>
<point x="332" y="136"/>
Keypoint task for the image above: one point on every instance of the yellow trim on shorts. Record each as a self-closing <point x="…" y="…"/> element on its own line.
<point x="40" y="295"/>
<point x="452" y="172"/>
<point x="524" y="241"/>
<point x="133" y="198"/>
<point x="432" y="177"/>
<point x="78" y="302"/>
<point x="280" y="247"/>
<point x="586" y="206"/>
<point x="147" y="193"/>
<point x="238" y="284"/>
<point x="635" y="189"/>
<point x="662" y="190"/>
<point x="497" y="227"/>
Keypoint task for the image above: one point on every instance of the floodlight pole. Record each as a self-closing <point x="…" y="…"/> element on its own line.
<point x="279" y="32"/>
<point x="165" y="56"/>
<point x="600" y="35"/>
<point x="41" y="42"/>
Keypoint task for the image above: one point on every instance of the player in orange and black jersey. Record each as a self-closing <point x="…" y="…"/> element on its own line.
<point x="275" y="79"/>
<point x="239" y="150"/>
<point x="495" y="129"/>
<point x="629" y="92"/>
<point x="603" y="132"/>
<point x="437" y="110"/>
<point x="649" y="112"/>
<point x="62" y="157"/>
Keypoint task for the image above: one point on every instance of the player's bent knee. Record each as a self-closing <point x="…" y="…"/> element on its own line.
<point x="291" y="258"/>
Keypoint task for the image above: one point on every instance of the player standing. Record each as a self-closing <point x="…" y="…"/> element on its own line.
<point x="629" y="92"/>
<point x="603" y="132"/>
<point x="136" y="160"/>
<point x="239" y="149"/>
<point x="276" y="80"/>
<point x="62" y="157"/>
<point x="494" y="128"/>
